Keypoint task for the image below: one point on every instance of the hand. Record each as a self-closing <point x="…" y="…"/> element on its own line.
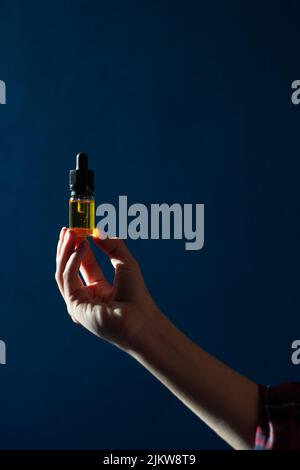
<point x="116" y="313"/>
<point x="126" y="315"/>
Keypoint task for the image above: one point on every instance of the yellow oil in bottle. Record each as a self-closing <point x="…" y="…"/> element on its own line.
<point x="82" y="215"/>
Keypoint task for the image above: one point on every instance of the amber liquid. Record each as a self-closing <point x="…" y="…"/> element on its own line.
<point x="82" y="216"/>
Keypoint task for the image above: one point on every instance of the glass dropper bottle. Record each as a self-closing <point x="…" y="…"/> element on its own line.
<point x="81" y="202"/>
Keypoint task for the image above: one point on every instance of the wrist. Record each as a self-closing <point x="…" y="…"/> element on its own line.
<point x="155" y="338"/>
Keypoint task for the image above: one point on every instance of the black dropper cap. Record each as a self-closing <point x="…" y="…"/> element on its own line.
<point x="82" y="179"/>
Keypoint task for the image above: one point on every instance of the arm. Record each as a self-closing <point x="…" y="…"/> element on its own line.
<point x="126" y="315"/>
<point x="225" y="400"/>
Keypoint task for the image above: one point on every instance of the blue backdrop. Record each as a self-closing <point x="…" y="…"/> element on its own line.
<point x="174" y="102"/>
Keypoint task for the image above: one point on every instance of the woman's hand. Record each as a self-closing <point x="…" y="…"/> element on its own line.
<point x="114" y="312"/>
<point x="126" y="315"/>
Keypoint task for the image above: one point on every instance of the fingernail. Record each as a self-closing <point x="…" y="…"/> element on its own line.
<point x="69" y="234"/>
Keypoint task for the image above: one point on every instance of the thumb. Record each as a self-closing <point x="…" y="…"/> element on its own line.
<point x="117" y="251"/>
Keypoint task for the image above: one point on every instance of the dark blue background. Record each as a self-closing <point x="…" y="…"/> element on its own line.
<point x="174" y="102"/>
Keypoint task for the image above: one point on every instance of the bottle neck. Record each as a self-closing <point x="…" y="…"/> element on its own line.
<point x="82" y="195"/>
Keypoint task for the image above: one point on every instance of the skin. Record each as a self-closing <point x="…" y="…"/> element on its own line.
<point x="126" y="315"/>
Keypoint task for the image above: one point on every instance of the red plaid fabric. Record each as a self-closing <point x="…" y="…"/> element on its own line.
<point x="279" y="427"/>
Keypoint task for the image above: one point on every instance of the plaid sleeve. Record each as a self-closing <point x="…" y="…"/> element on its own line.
<point x="279" y="426"/>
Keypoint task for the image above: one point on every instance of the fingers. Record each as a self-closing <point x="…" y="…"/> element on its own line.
<point x="71" y="280"/>
<point x="117" y="251"/>
<point x="90" y="269"/>
<point x="67" y="246"/>
<point x="60" y="241"/>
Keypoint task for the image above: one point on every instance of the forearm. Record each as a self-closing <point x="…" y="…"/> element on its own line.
<point x="222" y="398"/>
